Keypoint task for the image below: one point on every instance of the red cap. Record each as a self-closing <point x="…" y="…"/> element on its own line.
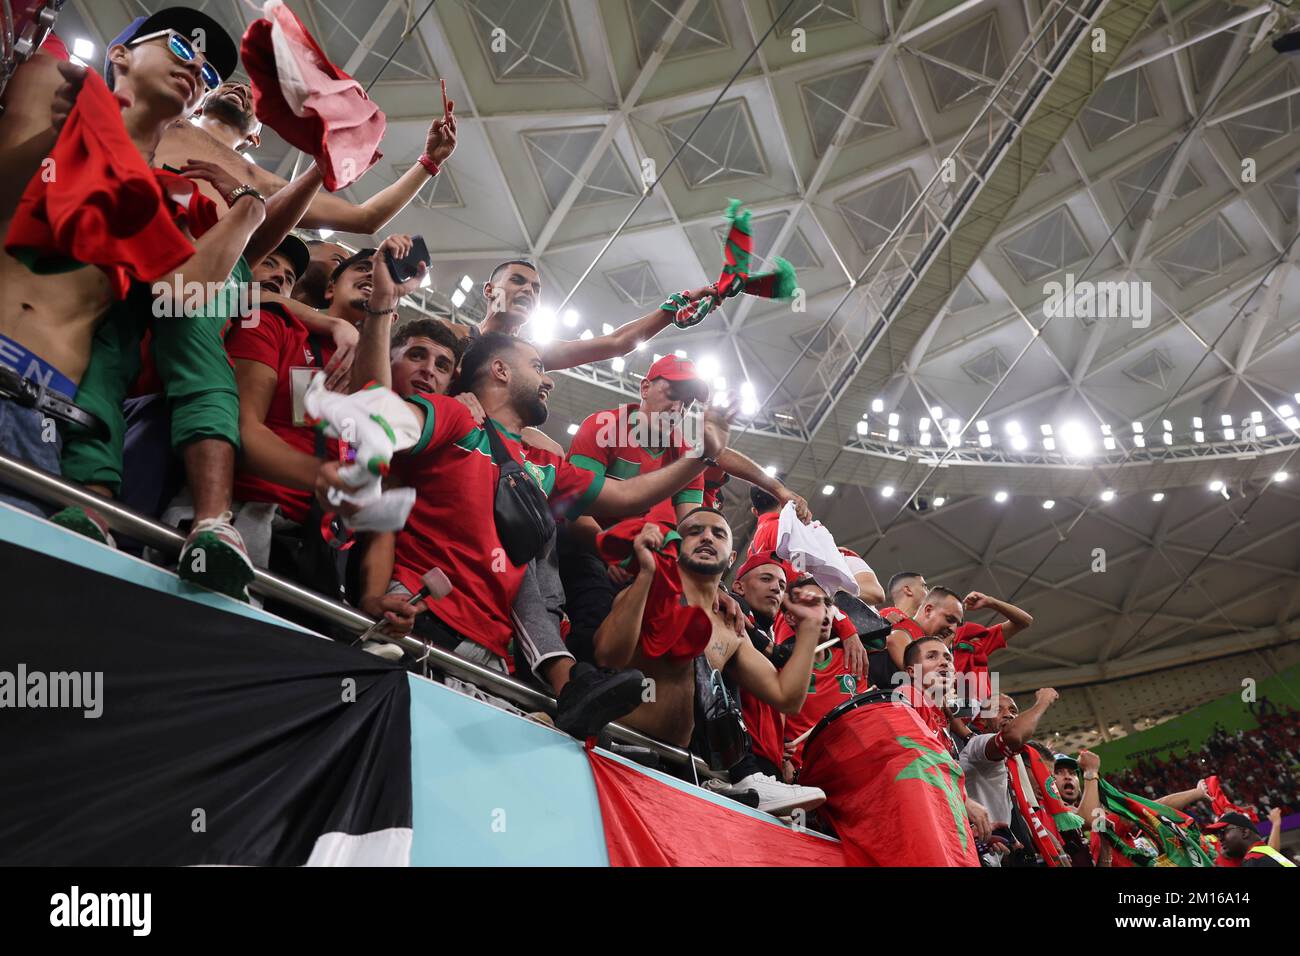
<point x="760" y="559"/>
<point x="676" y="369"/>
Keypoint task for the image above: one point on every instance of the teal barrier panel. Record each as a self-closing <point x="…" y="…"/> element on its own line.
<point x="495" y="789"/>
<point x="37" y="534"/>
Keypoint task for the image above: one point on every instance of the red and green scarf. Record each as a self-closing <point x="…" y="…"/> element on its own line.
<point x="1220" y="803"/>
<point x="738" y="254"/>
<point x="1174" y="834"/>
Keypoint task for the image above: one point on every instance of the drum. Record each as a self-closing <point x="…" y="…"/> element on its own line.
<point x="893" y="793"/>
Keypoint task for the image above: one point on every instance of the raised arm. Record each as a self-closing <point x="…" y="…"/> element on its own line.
<point x="372" y="361"/>
<point x="574" y="352"/>
<point x="785" y="689"/>
<point x="1019" y="732"/>
<point x="1017" y="620"/>
<point x="329" y="211"/>
<point x="746" y="469"/>
<point x="1183" y="798"/>
<point x="616" y="639"/>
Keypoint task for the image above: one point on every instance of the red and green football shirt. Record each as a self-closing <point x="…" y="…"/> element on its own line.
<point x="831" y="683"/>
<point x="765" y="533"/>
<point x="606" y="445"/>
<point x="452" y="527"/>
<point x="971" y="648"/>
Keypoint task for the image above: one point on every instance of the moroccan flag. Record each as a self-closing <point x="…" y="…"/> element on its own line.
<point x="1171" y="832"/>
<point x="893" y="794"/>
<point x="737" y="255"/>
<point x="1047" y="841"/>
<point x="1062" y="816"/>
<point x="308" y="100"/>
<point x="1220" y="803"/>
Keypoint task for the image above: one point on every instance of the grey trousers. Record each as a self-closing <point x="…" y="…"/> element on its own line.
<point x="538" y="611"/>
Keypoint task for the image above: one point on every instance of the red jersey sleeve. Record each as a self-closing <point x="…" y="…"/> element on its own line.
<point x="574" y="489"/>
<point x="994" y="640"/>
<point x="691" y="493"/>
<point x="261" y="341"/>
<point x="445" y="421"/>
<point x="585" y="450"/>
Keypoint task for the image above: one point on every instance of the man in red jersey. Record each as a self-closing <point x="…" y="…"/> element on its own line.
<point x="937" y="614"/>
<point x="833" y="679"/>
<point x="972" y="644"/>
<point x="451" y="467"/>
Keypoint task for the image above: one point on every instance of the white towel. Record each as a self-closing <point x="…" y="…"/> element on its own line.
<point x="812" y="549"/>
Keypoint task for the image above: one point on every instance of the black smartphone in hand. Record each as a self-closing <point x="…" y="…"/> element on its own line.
<point x="403" y="269"/>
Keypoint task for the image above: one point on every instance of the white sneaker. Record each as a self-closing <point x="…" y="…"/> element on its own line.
<point x="388" y="651"/>
<point x="779" y="798"/>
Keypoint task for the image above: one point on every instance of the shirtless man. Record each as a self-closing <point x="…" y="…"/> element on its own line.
<point x="49" y="320"/>
<point x="225" y="128"/>
<point x="650" y="628"/>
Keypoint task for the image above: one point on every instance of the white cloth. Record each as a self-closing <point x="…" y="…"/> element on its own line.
<point x="378" y="424"/>
<point x="812" y="549"/>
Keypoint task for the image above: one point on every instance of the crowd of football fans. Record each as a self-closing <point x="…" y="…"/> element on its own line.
<point x="398" y="466"/>
<point x="1261" y="762"/>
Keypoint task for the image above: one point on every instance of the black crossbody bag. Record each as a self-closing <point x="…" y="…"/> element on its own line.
<point x="519" y="508"/>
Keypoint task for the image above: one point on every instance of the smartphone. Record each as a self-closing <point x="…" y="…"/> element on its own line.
<point x="403" y="269"/>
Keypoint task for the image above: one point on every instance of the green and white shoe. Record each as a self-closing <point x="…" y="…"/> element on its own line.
<point x="86" y="522"/>
<point x="214" y="557"/>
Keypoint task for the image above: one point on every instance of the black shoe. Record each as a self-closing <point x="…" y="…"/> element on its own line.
<point x="594" y="696"/>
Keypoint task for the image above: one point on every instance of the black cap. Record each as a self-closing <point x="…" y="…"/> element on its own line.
<point x="349" y="261"/>
<point x="296" y="251"/>
<point x="218" y="47"/>
<point x="1233" y="819"/>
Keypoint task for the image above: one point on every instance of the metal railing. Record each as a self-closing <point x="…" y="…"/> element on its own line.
<point x="43" y="486"/>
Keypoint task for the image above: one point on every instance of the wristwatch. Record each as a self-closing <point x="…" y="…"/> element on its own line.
<point x="244" y="190"/>
<point x="1090" y="775"/>
<point x="711" y="462"/>
<point x="365" y="307"/>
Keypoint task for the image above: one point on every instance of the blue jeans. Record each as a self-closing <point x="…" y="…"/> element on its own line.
<point x="23" y="434"/>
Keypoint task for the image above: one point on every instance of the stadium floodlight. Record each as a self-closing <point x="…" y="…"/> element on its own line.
<point x="1229" y="434"/>
<point x="828" y="489"/>
<point x="1285" y="411"/>
<point x="1049" y="443"/>
<point x="1012" y="427"/>
<point x="887" y="491"/>
<point x="1108" y="495"/>
<point x="936" y="412"/>
<point x="863" y="428"/>
<point x="1158" y="497"/>
<point x="618" y="364"/>
<point x="940" y="501"/>
<point x="770" y="471"/>
<point x="1256" y="417"/>
<point x="1216" y="485"/>
<point x="1137" y="428"/>
<point x="680" y="353"/>
<point x="1045" y="429"/>
<point x="1280" y="476"/>
<point x="1168" y="438"/>
<point x="1019" y="442"/>
<point x="1049" y="504"/>
<point x="1198" y="436"/>
<point x="1140" y="441"/>
<point x="573" y="429"/>
<point x="1001" y="497"/>
<point x="986" y="441"/>
<point x="324" y="233"/>
<point x="606" y="329"/>
<point x="587" y="335"/>
<point x="893" y="419"/>
<point x="542" y="326"/>
<point x="877" y="405"/>
<point x="457" y="298"/>
<point x="707" y="367"/>
<point x="925" y="424"/>
<point x="893" y="434"/>
<point x="981" y="426"/>
<point x="1196" y="422"/>
<point x="83" y="49"/>
<point x="1225" y="419"/>
<point x="1108" y="443"/>
<point x="1076" y="439"/>
<point x="466" y="283"/>
<point x="925" y="438"/>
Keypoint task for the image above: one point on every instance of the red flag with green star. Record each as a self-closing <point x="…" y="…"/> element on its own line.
<point x="893" y="793"/>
